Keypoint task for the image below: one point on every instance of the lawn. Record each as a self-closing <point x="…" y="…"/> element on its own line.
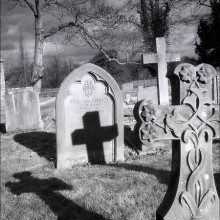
<point x="31" y="188"/>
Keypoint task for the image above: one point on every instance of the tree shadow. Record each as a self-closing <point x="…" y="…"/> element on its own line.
<point x="93" y="135"/>
<point x="43" y="143"/>
<point x="130" y="139"/>
<point x="64" y="208"/>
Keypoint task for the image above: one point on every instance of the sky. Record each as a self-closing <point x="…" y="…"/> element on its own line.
<point x="21" y="19"/>
<point x="17" y="19"/>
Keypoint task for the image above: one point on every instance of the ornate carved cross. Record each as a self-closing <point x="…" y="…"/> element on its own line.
<point x="161" y="57"/>
<point x="192" y="126"/>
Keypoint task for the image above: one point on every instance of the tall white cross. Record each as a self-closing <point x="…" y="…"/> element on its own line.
<point x="162" y="58"/>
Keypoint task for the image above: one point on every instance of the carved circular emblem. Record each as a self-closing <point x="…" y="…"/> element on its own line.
<point x="88" y="88"/>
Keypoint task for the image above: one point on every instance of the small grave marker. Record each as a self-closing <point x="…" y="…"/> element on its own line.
<point x="192" y="126"/>
<point x="22" y="109"/>
<point x="161" y="57"/>
<point x="89" y="118"/>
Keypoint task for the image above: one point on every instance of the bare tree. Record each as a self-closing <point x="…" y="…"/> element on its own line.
<point x="102" y="26"/>
<point x="22" y="57"/>
<point x="75" y="15"/>
<point x="158" y="18"/>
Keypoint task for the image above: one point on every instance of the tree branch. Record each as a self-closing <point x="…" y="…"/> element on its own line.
<point x="12" y="4"/>
<point x="31" y="6"/>
<point x="59" y="28"/>
<point x="87" y="37"/>
<point x="203" y="3"/>
<point x="47" y="3"/>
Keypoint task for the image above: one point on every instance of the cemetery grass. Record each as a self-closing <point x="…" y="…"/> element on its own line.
<point x="31" y="188"/>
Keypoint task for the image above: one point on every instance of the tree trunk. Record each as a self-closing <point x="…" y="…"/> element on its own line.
<point x="37" y="74"/>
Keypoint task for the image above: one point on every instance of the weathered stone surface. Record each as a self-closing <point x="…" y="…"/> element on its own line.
<point x="188" y="74"/>
<point x="161" y="57"/>
<point x="192" y="126"/>
<point x="22" y="109"/>
<point x="2" y="92"/>
<point x="127" y="86"/>
<point x="89" y="117"/>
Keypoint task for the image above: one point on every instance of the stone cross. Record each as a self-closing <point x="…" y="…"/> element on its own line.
<point x="192" y="126"/>
<point x="93" y="135"/>
<point x="161" y="57"/>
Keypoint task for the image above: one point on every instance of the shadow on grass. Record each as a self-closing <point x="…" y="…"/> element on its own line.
<point x="64" y="208"/>
<point x="2" y="128"/>
<point x="43" y="143"/>
<point x="130" y="139"/>
<point x="163" y="176"/>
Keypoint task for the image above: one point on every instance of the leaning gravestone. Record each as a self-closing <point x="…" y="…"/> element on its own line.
<point x="89" y="118"/>
<point x="2" y="107"/>
<point x="22" y="109"/>
<point x="192" y="126"/>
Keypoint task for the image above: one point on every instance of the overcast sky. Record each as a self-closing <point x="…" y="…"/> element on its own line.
<point x="12" y="21"/>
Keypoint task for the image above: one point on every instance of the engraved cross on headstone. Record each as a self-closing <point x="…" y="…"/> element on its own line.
<point x="93" y="135"/>
<point x="161" y="57"/>
<point x="192" y="126"/>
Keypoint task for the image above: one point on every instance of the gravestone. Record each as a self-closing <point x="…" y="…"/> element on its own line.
<point x="22" y="109"/>
<point x="2" y="107"/>
<point x="127" y="86"/>
<point x="149" y="93"/>
<point x="192" y="126"/>
<point x="161" y="57"/>
<point x="89" y="118"/>
<point x="129" y="97"/>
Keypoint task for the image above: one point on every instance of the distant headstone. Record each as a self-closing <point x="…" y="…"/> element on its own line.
<point x="22" y="109"/>
<point x="192" y="126"/>
<point x="2" y="92"/>
<point x="89" y="118"/>
<point x="145" y="83"/>
<point x="129" y="97"/>
<point x="161" y="57"/>
<point x="127" y="86"/>
<point x="140" y="88"/>
<point x="149" y="93"/>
